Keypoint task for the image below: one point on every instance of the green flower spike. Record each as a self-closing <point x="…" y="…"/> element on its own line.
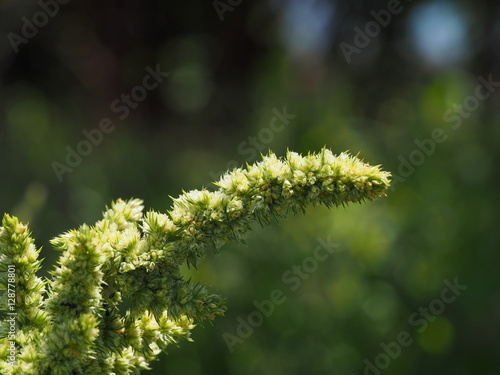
<point x="72" y="324"/>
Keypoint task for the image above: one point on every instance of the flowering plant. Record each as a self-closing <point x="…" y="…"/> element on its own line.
<point x="74" y="323"/>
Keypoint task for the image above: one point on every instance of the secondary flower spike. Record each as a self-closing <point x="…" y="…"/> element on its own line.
<point x="127" y="259"/>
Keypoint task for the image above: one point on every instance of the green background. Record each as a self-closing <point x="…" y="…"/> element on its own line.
<point x="439" y="222"/>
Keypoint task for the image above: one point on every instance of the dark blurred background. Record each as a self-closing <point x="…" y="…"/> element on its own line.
<point x="409" y="85"/>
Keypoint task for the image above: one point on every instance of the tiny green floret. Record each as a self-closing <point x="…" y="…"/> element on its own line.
<point x="73" y="323"/>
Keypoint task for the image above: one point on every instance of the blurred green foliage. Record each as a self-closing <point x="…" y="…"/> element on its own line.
<point x="225" y="79"/>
